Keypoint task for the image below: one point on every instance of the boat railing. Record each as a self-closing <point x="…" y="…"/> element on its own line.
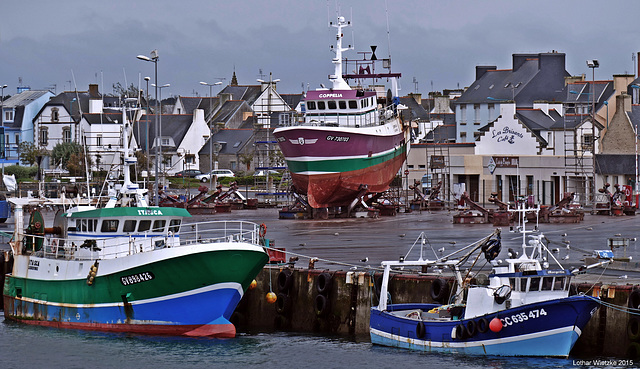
<point x="129" y="244"/>
<point x="350" y="120"/>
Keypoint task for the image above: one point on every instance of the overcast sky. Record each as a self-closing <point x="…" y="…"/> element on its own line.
<point x="438" y="43"/>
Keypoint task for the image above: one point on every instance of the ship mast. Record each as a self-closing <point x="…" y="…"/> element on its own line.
<point x="338" y="82"/>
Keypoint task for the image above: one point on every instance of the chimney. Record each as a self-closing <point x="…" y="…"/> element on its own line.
<point x="224" y="98"/>
<point x="416" y="96"/>
<point x="482" y="69"/>
<point x="623" y="102"/>
<point x="93" y="91"/>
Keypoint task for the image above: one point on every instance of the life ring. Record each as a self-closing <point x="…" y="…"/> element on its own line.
<point x="323" y="283"/>
<point x="482" y="325"/>
<point x="285" y="280"/>
<point x="471" y="328"/>
<point x="460" y="331"/>
<point x="439" y="290"/>
<point x="633" y="328"/>
<point x="634" y="299"/>
<point x="420" y="330"/>
<point x="322" y="305"/>
<point x="263" y="230"/>
<point x="283" y="303"/>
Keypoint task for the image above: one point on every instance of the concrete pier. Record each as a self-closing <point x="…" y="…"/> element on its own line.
<point x="344" y="307"/>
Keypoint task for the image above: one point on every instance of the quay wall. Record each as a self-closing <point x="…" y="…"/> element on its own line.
<point x="344" y="305"/>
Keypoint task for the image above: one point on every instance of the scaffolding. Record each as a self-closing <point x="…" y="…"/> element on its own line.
<point x="438" y="159"/>
<point x="579" y="154"/>
<point x="269" y="163"/>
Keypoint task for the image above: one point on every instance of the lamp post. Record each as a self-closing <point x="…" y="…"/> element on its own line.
<point x="593" y="64"/>
<point x="154" y="59"/>
<point x="147" y="127"/>
<point x="2" y="105"/>
<point x="160" y="124"/>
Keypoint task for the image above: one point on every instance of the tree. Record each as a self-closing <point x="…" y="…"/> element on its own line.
<point x="120" y="91"/>
<point x="29" y="152"/>
<point x="76" y="164"/>
<point x="62" y="152"/>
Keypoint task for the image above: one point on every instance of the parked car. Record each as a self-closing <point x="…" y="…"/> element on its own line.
<point x="263" y="173"/>
<point x="189" y="173"/>
<point x="219" y="173"/>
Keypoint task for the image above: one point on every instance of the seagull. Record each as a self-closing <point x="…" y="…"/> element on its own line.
<point x="302" y="244"/>
<point x="589" y="228"/>
<point x="401" y="235"/>
<point x="452" y="242"/>
<point x="312" y="262"/>
<point x="441" y="250"/>
<point x="364" y="260"/>
<point x="564" y="235"/>
<point x="566" y="257"/>
<point x="624" y="276"/>
<point x="336" y="234"/>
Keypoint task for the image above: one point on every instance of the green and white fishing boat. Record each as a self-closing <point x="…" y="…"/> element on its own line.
<point x="129" y="267"/>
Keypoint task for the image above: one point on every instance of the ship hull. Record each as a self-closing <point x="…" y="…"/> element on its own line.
<point x="188" y="291"/>
<point x="331" y="165"/>
<point x="549" y="328"/>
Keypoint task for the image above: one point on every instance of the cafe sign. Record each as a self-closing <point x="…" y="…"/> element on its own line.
<point x="503" y="162"/>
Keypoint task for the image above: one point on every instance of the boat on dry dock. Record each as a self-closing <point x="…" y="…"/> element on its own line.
<point x="130" y="267"/>
<point x="521" y="309"/>
<point x="351" y="141"/>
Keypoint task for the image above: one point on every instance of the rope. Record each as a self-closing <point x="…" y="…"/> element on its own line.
<point x="622" y="309"/>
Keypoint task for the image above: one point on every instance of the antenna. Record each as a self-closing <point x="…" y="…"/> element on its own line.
<point x="386" y="10"/>
<point x="415" y="85"/>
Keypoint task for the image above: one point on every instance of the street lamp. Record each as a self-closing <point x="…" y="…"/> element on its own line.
<point x="147" y="127"/>
<point x="593" y="64"/>
<point x="154" y="59"/>
<point x="159" y="132"/>
<point x="2" y="105"/>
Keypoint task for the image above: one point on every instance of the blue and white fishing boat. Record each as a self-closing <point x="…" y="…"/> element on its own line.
<point x="521" y="309"/>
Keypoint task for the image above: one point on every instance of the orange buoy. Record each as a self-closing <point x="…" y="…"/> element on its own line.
<point x="253" y="284"/>
<point x="495" y="325"/>
<point x="271" y="297"/>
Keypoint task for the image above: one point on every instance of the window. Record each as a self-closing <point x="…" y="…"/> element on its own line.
<point x="463" y="113"/>
<point x="547" y="283"/>
<point x="492" y="109"/>
<point x="129" y="225"/>
<point x="99" y="140"/>
<point x="109" y="225"/>
<point x="587" y="142"/>
<point x="523" y="284"/>
<point x="558" y="284"/>
<point x="55" y="114"/>
<point x="342" y="104"/>
<point x="321" y="105"/>
<point x="8" y="115"/>
<point x="353" y="104"/>
<point x="144" y="225"/>
<point x="164" y="142"/>
<point x="311" y="105"/>
<point x="535" y="284"/>
<point x="463" y="136"/>
<point x="476" y="113"/>
<point x="190" y="159"/>
<point x="43" y="136"/>
<point x="17" y="139"/>
<point x="174" y="225"/>
<point x="66" y="134"/>
<point x="158" y="225"/>
<point x="332" y="105"/>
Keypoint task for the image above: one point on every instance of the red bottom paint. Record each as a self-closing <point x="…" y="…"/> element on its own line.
<point x="207" y="330"/>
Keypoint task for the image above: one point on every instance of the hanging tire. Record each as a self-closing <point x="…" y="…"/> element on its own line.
<point x="421" y="331"/>
<point x="471" y="328"/>
<point x="323" y="283"/>
<point x="460" y="332"/>
<point x="633" y="328"/>
<point x="633" y="350"/>
<point x="439" y="290"/>
<point x="483" y="325"/>
<point x="283" y="304"/>
<point x="285" y="280"/>
<point x="321" y="305"/>
<point x="634" y="299"/>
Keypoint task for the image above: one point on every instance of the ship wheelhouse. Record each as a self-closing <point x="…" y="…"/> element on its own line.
<point x="348" y="108"/>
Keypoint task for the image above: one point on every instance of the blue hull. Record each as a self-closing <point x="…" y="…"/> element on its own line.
<point x="549" y="328"/>
<point x="202" y="312"/>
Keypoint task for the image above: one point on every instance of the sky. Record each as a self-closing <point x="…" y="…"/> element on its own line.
<point x="67" y="45"/>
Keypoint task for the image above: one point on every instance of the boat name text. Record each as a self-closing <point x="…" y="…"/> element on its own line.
<point x="136" y="278"/>
<point x="338" y="138"/>
<point x="322" y="96"/>
<point x="519" y="318"/>
<point x="150" y="212"/>
<point x="34" y="264"/>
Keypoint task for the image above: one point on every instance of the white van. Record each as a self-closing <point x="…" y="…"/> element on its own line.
<point x="219" y="173"/>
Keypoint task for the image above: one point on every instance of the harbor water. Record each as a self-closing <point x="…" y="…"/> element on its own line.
<point x="340" y="244"/>
<point x="24" y="347"/>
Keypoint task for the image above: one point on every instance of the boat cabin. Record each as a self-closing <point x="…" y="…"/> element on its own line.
<point x="344" y="108"/>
